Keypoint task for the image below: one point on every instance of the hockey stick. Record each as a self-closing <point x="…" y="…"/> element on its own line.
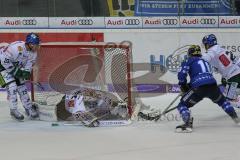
<point x="157" y="117"/>
<point x="80" y="116"/>
<point x="165" y="111"/>
<point x="102" y="123"/>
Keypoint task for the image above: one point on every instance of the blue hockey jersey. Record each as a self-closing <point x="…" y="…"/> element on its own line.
<point x="199" y="71"/>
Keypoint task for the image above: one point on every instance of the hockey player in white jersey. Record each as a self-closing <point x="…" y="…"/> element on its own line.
<point x="17" y="60"/>
<point x="227" y="65"/>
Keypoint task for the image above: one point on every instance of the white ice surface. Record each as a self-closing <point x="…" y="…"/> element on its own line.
<point x="215" y="137"/>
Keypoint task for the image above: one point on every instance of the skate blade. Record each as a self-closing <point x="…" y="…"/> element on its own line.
<point x="19" y="120"/>
<point x="187" y="130"/>
<point x="33" y="118"/>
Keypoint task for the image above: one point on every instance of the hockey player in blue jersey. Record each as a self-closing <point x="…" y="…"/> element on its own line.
<point x="202" y="85"/>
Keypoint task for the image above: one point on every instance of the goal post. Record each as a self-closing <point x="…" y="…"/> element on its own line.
<point x="65" y="66"/>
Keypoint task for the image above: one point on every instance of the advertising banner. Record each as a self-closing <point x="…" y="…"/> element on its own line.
<point x="198" y="22"/>
<point x="123" y="22"/>
<point x="23" y="22"/>
<point x="229" y="21"/>
<point x="76" y="22"/>
<point x="120" y="22"/>
<point x="161" y="22"/>
<point x="187" y="7"/>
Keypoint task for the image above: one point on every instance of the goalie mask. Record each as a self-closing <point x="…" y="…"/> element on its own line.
<point x="194" y="50"/>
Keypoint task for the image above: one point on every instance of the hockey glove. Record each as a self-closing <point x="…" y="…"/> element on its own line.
<point x="26" y="75"/>
<point x="18" y="73"/>
<point x="224" y="81"/>
<point x="185" y="88"/>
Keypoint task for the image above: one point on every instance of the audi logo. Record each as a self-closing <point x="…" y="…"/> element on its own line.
<point x="85" y="22"/>
<point x="208" y="21"/>
<point x="170" y="21"/>
<point x="132" y="21"/>
<point x="29" y="22"/>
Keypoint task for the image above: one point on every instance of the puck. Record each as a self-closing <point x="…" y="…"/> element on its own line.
<point x="55" y="124"/>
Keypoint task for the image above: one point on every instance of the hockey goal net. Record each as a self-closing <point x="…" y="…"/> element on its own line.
<point x="63" y="67"/>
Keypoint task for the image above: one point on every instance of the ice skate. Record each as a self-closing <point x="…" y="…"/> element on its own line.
<point x="16" y="114"/>
<point x="237" y="121"/>
<point x="235" y="118"/>
<point x="185" y="128"/>
<point x="32" y="113"/>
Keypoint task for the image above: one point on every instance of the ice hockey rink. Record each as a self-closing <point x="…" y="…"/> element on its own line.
<point x="215" y="137"/>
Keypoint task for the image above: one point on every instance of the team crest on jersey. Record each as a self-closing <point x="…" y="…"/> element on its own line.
<point x="71" y="103"/>
<point x="20" y="49"/>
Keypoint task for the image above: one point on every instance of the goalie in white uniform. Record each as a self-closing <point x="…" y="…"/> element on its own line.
<point x="227" y="64"/>
<point x="93" y="103"/>
<point x="17" y="60"/>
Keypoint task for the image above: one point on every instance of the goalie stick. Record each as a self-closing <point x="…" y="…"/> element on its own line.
<point x="86" y="118"/>
<point x="102" y="123"/>
<point x="148" y="116"/>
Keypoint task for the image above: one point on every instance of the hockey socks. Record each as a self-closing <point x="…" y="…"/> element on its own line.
<point x="187" y="119"/>
<point x="230" y="111"/>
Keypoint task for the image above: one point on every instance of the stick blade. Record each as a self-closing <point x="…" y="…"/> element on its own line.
<point x="146" y="116"/>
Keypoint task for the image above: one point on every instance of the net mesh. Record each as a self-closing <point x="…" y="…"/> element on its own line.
<point x="62" y="68"/>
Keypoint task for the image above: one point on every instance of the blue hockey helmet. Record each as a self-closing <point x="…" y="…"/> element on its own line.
<point x="32" y="38"/>
<point x="209" y="40"/>
<point x="194" y="50"/>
